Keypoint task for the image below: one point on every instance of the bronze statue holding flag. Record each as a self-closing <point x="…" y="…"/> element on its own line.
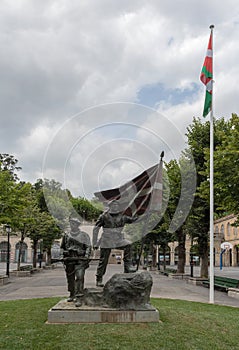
<point x="112" y="221"/>
<point x="142" y="195"/>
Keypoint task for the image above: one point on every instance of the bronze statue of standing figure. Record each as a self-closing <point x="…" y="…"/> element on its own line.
<point x="76" y="248"/>
<point x="112" y="221"/>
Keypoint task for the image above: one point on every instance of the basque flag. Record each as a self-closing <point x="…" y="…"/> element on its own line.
<point x="206" y="77"/>
<point x="137" y="196"/>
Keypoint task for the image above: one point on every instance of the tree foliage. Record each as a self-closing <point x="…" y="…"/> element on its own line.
<point x="9" y="163"/>
<point x="226" y="167"/>
<point x="86" y="209"/>
<point x="198" y="135"/>
<point x="8" y="197"/>
<point x="23" y="205"/>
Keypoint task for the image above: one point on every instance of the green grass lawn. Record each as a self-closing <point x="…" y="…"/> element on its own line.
<point x="183" y="325"/>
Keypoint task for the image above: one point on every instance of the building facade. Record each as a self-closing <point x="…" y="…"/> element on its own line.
<point x="116" y="256"/>
<point x="224" y="231"/>
<point x="27" y="252"/>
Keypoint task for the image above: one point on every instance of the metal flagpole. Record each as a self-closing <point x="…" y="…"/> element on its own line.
<point x="151" y="210"/>
<point x="211" y="238"/>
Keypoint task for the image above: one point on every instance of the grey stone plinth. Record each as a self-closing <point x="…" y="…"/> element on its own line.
<point x="197" y="281"/>
<point x="233" y="292"/>
<point x="4" y="280"/>
<point x="65" y="312"/>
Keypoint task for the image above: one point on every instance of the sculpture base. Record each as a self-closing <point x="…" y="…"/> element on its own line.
<point x="65" y="312"/>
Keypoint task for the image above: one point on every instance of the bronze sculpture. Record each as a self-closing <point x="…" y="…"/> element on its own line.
<point x="76" y="248"/>
<point x="112" y="221"/>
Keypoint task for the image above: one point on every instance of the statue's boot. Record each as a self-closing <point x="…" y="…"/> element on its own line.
<point x="78" y="301"/>
<point x="99" y="282"/>
<point x="71" y="297"/>
<point x="129" y="268"/>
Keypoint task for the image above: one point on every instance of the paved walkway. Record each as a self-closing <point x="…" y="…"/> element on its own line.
<point x="49" y="283"/>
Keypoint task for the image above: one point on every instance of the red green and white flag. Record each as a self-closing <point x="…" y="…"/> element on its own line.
<point x="206" y="78"/>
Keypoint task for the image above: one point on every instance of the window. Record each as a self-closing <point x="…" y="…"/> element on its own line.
<point x="3" y="251"/>
<point x="55" y="250"/>
<point x="228" y="229"/>
<point x="23" y="253"/>
<point x="235" y="231"/>
<point x="222" y="232"/>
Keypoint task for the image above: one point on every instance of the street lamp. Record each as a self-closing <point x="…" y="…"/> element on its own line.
<point x="191" y="258"/>
<point x="8" y="230"/>
<point x="83" y="216"/>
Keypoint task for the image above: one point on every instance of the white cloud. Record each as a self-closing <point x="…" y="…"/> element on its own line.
<point x="60" y="57"/>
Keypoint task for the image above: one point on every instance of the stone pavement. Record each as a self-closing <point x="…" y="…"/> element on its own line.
<point x="52" y="282"/>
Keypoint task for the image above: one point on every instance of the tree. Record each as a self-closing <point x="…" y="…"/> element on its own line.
<point x="17" y="201"/>
<point x="39" y="188"/>
<point x="25" y="214"/>
<point x="182" y="186"/>
<point x="86" y="209"/>
<point x="29" y="219"/>
<point x="174" y="178"/>
<point x="226" y="168"/>
<point x="43" y="229"/>
<point x="8" y="197"/>
<point x="161" y="236"/>
<point x="56" y="200"/>
<point x="50" y="234"/>
<point x="9" y="163"/>
<point x="97" y="204"/>
<point x="198" y="135"/>
<point x="198" y="221"/>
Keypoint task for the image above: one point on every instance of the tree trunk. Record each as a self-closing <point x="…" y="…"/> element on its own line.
<point x="20" y="250"/>
<point x="48" y="256"/>
<point x="203" y="253"/>
<point x="154" y="258"/>
<point x="181" y="252"/>
<point x="164" y="258"/>
<point x="19" y="255"/>
<point x="204" y="264"/>
<point x="34" y="262"/>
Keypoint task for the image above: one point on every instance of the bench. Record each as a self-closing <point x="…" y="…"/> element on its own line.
<point x="26" y="268"/>
<point x="168" y="271"/>
<point x="3" y="280"/>
<point x="223" y="283"/>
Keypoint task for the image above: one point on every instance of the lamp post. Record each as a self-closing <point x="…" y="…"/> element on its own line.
<point x="83" y="216"/>
<point x="8" y="230"/>
<point x="191" y="258"/>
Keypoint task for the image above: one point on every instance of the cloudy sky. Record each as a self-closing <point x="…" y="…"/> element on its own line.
<point x="93" y="91"/>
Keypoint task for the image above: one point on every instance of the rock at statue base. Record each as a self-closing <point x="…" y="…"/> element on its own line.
<point x="128" y="291"/>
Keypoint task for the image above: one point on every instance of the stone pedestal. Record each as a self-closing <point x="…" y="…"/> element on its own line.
<point x="65" y="312"/>
<point x="197" y="281"/>
<point x="125" y="298"/>
<point x="233" y="292"/>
